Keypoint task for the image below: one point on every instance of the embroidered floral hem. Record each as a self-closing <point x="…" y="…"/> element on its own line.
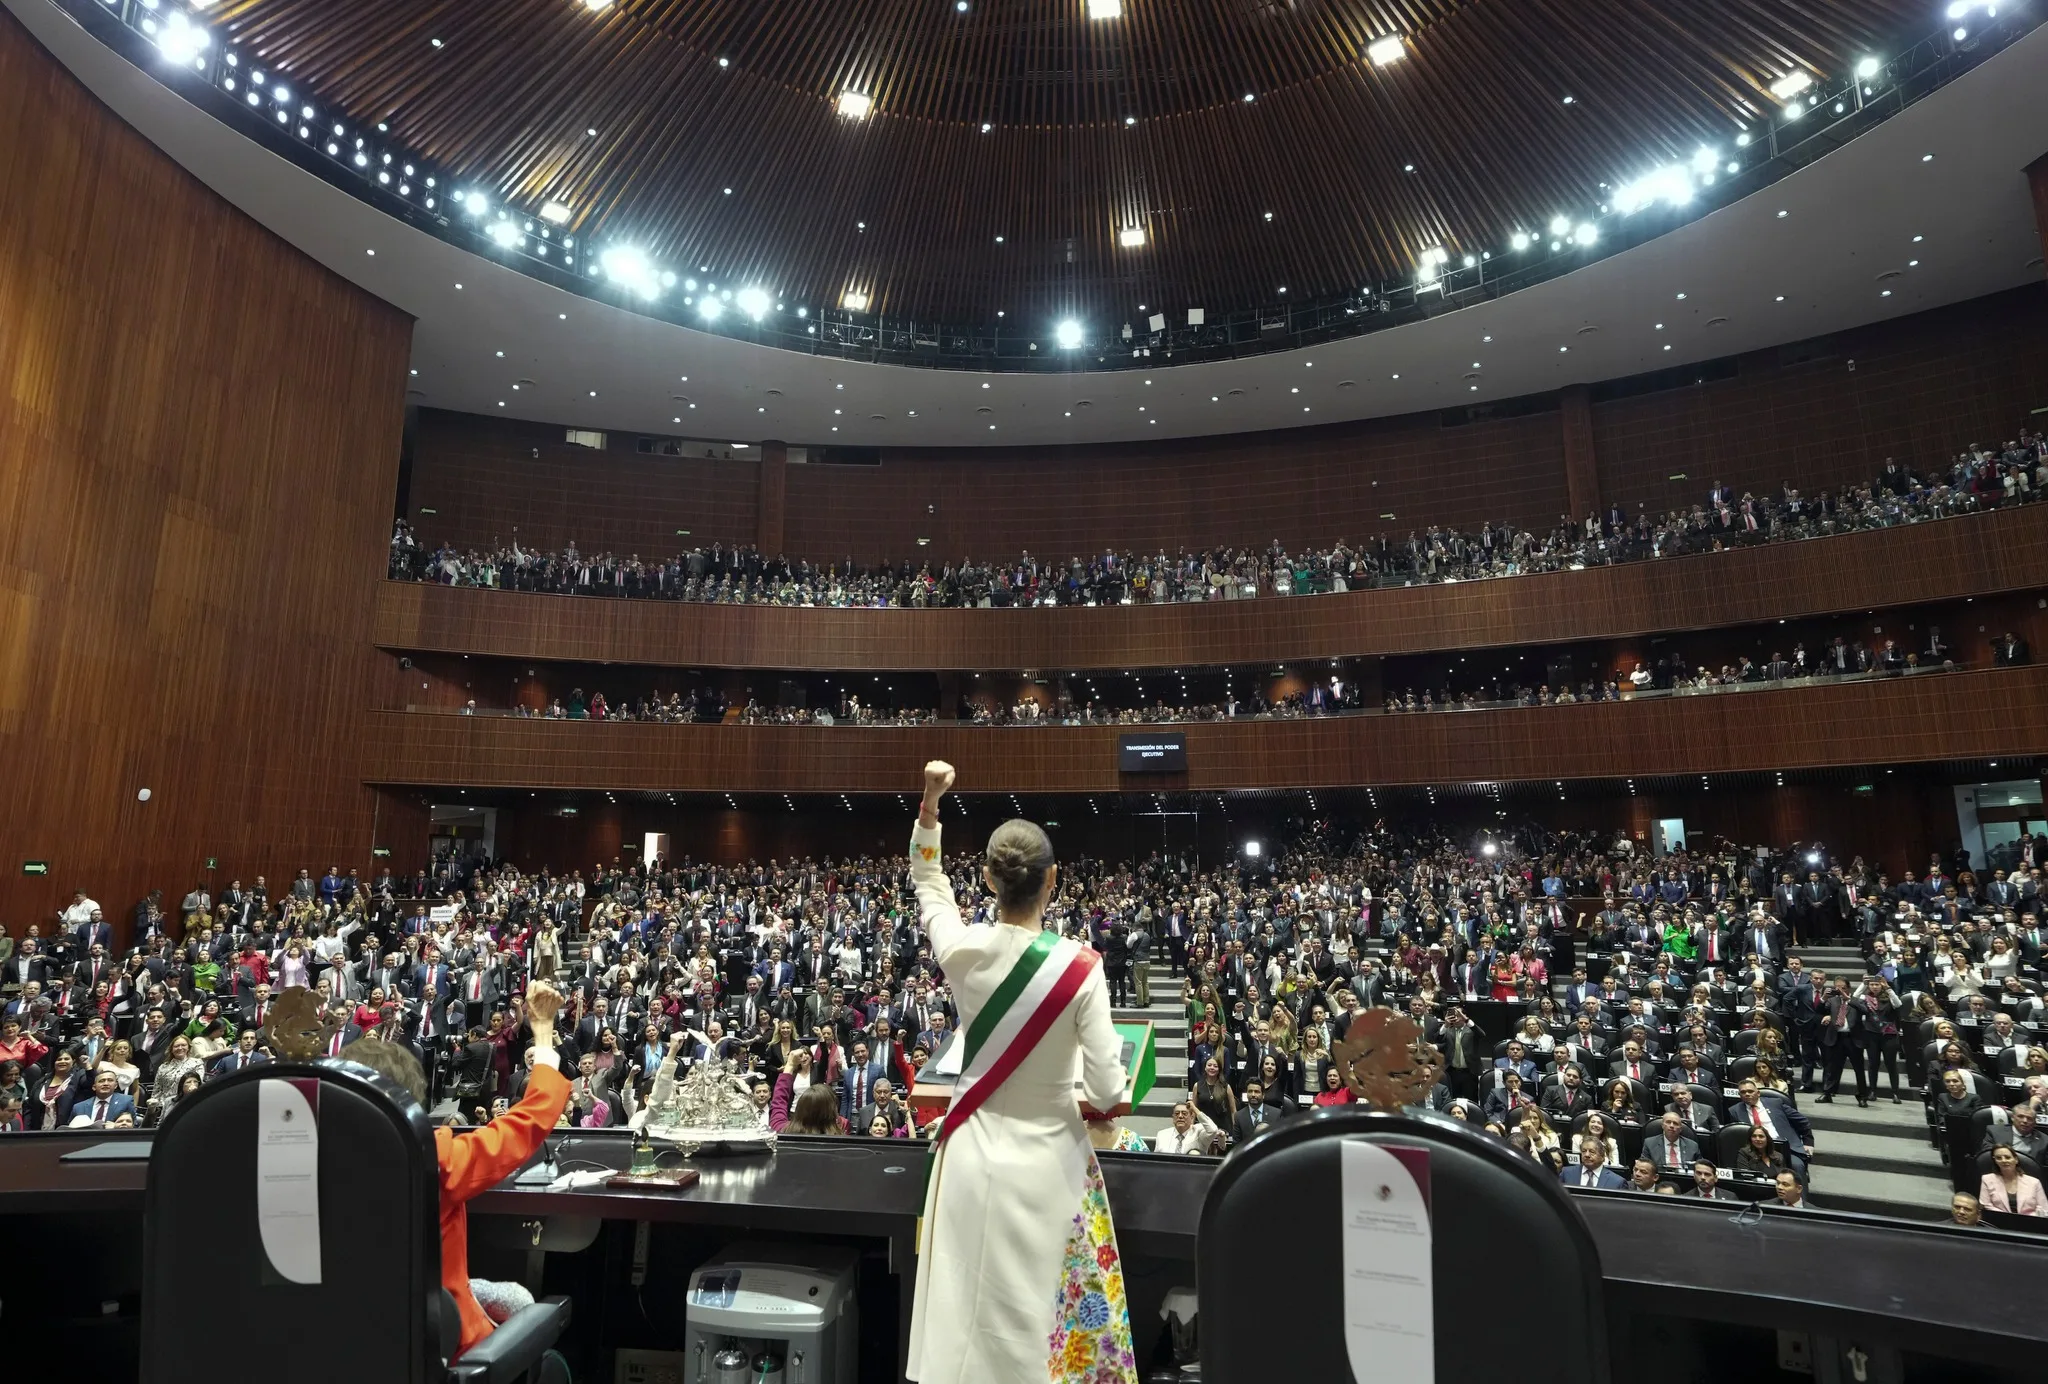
<point x="1091" y="1342"/>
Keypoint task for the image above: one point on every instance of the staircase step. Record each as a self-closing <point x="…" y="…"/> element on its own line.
<point x="1907" y="1195"/>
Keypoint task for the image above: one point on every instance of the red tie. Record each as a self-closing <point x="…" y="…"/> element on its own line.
<point x="99" y="1112"/>
<point x="1756" y="1115"/>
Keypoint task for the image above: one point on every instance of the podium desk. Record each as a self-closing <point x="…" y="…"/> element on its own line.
<point x="932" y="1092"/>
<point x="1922" y="1287"/>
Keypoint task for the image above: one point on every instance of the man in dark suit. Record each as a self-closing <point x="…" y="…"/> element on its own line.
<point x="243" y="1055"/>
<point x="1671" y="1148"/>
<point x="857" y="1082"/>
<point x="1706" y="1183"/>
<point x="1254" y="1114"/>
<point x="886" y="1104"/>
<point x="1569" y="1099"/>
<point x="1800" y="1005"/>
<point x="105" y="1106"/>
<point x="1592" y="1169"/>
<point x="26" y="966"/>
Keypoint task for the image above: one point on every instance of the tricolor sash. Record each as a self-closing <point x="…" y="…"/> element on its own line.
<point x="1040" y="985"/>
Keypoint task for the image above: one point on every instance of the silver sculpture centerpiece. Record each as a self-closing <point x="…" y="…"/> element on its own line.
<point x="711" y="1110"/>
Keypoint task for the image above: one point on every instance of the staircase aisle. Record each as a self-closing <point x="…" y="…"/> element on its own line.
<point x="1170" y="1033"/>
<point x="1880" y="1159"/>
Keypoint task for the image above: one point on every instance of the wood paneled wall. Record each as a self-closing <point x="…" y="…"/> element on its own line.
<point x="1971" y="556"/>
<point x="1921" y="388"/>
<point x="1955" y="716"/>
<point x="199" y="436"/>
<point x="1825" y="414"/>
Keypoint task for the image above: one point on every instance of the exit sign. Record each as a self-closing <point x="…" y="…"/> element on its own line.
<point x="212" y="862"/>
<point x="35" y="867"/>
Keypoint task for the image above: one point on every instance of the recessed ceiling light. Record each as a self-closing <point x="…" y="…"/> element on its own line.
<point x="855" y="105"/>
<point x="369" y="252"/>
<point x="1407" y="168"/>
<point x="1781" y="297"/>
<point x="1486" y="338"/>
<point x="1927" y="158"/>
<point x="592" y="132"/>
<point x="1918" y="238"/>
<point x="728" y="192"/>
<point x="1386" y="50"/>
<point x="1247" y="96"/>
<point x="1681" y="297"/>
<point x="1130" y="237"/>
<point x="723" y="63"/>
<point x="1105" y="9"/>
<point x="1782" y="214"/>
<point x="1569" y="99"/>
<point x="1886" y="294"/>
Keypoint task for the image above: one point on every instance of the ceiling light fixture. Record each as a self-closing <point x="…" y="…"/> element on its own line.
<point x="855" y="105"/>
<point x="1131" y="237"/>
<point x="555" y="213"/>
<point x="1386" y="50"/>
<point x="754" y="302"/>
<point x="1105" y="9"/>
<point x="1791" y="84"/>
<point x="1068" y="333"/>
<point x="853" y="300"/>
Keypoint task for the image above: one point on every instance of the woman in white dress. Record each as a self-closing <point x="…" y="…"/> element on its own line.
<point x="1018" y="1280"/>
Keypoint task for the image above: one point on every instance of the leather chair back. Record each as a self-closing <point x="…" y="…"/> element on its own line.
<point x="211" y="1295"/>
<point x="1488" y="1208"/>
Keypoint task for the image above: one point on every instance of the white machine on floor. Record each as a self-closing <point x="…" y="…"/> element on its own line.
<point x="773" y="1314"/>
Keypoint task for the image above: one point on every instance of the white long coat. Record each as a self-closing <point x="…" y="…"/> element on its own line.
<point x="1003" y="1198"/>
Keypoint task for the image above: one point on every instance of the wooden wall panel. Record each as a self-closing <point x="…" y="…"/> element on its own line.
<point x="1304" y="486"/>
<point x="1923" y="387"/>
<point x="199" y="436"/>
<point x="480" y="482"/>
<point x="1974" y="555"/>
<point x="1959" y="716"/>
<point x="1825" y="414"/>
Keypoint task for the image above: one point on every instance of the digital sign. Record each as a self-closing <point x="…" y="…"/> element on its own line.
<point x="1152" y="754"/>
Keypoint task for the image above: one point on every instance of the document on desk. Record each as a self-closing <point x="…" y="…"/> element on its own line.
<point x="1389" y="1299"/>
<point x="288" y="1177"/>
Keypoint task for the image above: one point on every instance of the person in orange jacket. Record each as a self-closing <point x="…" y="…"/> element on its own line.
<point x="474" y="1161"/>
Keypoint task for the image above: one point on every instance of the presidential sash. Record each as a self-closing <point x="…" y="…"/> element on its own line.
<point x="1040" y="985"/>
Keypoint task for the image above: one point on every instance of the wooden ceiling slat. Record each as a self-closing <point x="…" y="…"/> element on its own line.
<point x="1476" y="105"/>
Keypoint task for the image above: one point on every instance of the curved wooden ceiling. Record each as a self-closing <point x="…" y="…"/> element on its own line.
<point x="1009" y="143"/>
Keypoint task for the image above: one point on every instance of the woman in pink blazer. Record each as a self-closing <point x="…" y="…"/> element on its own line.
<point x="2006" y="1188"/>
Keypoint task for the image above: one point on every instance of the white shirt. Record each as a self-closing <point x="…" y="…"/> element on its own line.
<point x="1171" y="1140"/>
<point x="80" y="912"/>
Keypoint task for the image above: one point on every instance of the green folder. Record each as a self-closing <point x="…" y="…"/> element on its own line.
<point x="1141" y="1060"/>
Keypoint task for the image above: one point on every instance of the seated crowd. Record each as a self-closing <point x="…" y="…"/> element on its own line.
<point x="1979" y="478"/>
<point x="1672" y="674"/>
<point x="1627" y="1021"/>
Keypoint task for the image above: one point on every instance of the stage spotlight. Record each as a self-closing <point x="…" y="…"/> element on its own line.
<point x="1068" y="334"/>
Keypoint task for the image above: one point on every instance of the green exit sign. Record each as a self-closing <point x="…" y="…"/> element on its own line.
<point x="212" y="862"/>
<point x="35" y="867"/>
<point x="381" y="852"/>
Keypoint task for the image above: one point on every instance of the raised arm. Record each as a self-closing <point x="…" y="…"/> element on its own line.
<point x="478" y="1160"/>
<point x="935" y="901"/>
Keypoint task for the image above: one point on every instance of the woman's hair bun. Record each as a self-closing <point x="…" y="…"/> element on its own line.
<point x="1019" y="854"/>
